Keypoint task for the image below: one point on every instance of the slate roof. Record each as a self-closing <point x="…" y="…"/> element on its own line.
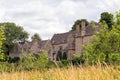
<point x="60" y="38"/>
<point x="27" y="44"/>
<point x="90" y="30"/>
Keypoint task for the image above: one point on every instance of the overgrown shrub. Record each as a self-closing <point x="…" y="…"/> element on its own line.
<point x="78" y="60"/>
<point x="114" y="58"/>
<point x="13" y="60"/>
<point x="64" y="63"/>
<point x="28" y="62"/>
<point x="7" y="67"/>
<point x="105" y="47"/>
<point x="51" y="64"/>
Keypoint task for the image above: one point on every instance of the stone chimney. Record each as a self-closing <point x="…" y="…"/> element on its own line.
<point x="78" y="31"/>
<point x="83" y="28"/>
<point x="78" y="28"/>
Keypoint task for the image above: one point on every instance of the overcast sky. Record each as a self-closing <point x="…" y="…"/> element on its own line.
<point x="48" y="17"/>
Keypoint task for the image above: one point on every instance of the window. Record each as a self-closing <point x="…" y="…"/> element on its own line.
<point x="60" y="47"/>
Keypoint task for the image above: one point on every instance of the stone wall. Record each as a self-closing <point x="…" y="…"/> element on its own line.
<point x="78" y="45"/>
<point x="49" y="49"/>
<point x="87" y="39"/>
<point x="57" y="47"/>
<point x="80" y="42"/>
<point x="35" y="47"/>
<point x="70" y="54"/>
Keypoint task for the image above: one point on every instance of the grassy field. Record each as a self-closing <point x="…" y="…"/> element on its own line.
<point x="72" y="73"/>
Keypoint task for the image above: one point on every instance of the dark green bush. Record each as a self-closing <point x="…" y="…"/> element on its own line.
<point x="78" y="59"/>
<point x="114" y="58"/>
<point x="51" y="64"/>
<point x="64" y="63"/>
<point x="14" y="60"/>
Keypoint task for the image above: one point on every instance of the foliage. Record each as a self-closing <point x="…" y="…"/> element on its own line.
<point x="78" y="60"/>
<point x="34" y="62"/>
<point x="29" y="62"/>
<point x="6" y="67"/>
<point x="13" y="33"/>
<point x="51" y="64"/>
<point x="14" y="60"/>
<point x="36" y="36"/>
<point x="108" y="18"/>
<point x="37" y="62"/>
<point x="78" y="22"/>
<point x="105" y="47"/>
<point x="64" y="63"/>
<point x="114" y="58"/>
<point x="2" y="38"/>
<point x="118" y="17"/>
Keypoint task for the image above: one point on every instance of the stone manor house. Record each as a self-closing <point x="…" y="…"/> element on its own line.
<point x="70" y="42"/>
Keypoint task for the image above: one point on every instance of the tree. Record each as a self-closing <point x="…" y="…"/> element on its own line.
<point x="108" y="18"/>
<point x="2" y="38"/>
<point x="13" y="33"/>
<point x="78" y="22"/>
<point x="118" y="17"/>
<point x="105" y="47"/>
<point x="36" y="36"/>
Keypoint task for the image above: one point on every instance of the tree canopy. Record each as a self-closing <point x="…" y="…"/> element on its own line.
<point x="13" y="33"/>
<point x="106" y="45"/>
<point x="36" y="36"/>
<point x="118" y="17"/>
<point x="108" y="18"/>
<point x="78" y="22"/>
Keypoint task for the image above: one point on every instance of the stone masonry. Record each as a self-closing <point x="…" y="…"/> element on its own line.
<point x="71" y="42"/>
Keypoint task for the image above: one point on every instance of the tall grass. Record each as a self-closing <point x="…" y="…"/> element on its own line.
<point x="71" y="73"/>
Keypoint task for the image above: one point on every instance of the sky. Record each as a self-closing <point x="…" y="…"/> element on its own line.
<point x="48" y="17"/>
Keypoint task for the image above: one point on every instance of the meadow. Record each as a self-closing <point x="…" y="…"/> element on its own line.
<point x="71" y="73"/>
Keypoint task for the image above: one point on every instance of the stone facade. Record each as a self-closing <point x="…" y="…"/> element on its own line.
<point x="84" y="36"/>
<point x="70" y="42"/>
<point x="33" y="47"/>
<point x="63" y="42"/>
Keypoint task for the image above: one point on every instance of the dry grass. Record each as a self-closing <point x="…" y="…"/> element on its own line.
<point x="72" y="73"/>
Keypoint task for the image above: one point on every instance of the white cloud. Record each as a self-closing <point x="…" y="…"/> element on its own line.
<point x="47" y="17"/>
